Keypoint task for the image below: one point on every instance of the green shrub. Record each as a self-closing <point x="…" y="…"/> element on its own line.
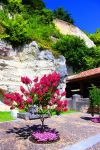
<point x="45" y="15"/>
<point x="94" y="98"/>
<point x="95" y="37"/>
<point x="24" y="26"/>
<point x="92" y="58"/>
<point x="42" y="32"/>
<point x="17" y="29"/>
<point x="1" y="29"/>
<point x="60" y="13"/>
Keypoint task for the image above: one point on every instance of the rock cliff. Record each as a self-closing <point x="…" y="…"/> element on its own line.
<point x="29" y="61"/>
<point x="67" y="28"/>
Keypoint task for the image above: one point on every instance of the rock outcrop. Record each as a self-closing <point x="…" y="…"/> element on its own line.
<point x="29" y="61"/>
<point x="67" y="28"/>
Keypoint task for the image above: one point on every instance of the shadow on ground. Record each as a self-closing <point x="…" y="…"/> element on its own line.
<point x="26" y="131"/>
<point x="86" y="118"/>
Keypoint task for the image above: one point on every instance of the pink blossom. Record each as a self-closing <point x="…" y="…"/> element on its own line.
<point x="36" y="79"/>
<point x="57" y="92"/>
<point x="21" y="106"/>
<point x="65" y="109"/>
<point x="32" y="90"/>
<point x="12" y="107"/>
<point x="65" y="102"/>
<point x="40" y="98"/>
<point x="29" y="101"/>
<point x="22" y="89"/>
<point x="59" y="103"/>
<point x="26" y="80"/>
<point x="64" y="93"/>
<point x="7" y="102"/>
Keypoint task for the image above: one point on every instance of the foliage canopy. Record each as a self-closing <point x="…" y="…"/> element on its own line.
<point x="77" y="54"/>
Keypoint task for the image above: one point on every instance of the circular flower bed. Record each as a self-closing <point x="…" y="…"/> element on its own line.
<point x="45" y="137"/>
<point x="95" y="120"/>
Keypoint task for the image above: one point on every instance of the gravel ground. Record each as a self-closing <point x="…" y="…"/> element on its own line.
<point x="72" y="129"/>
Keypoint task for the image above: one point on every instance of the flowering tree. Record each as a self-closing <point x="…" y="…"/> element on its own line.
<point x="43" y="93"/>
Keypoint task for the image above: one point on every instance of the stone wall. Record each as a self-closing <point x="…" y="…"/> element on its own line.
<point x="81" y="104"/>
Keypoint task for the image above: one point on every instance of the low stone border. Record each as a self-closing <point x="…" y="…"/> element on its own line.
<point x="83" y="145"/>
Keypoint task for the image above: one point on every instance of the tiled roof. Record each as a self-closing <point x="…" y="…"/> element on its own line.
<point x="84" y="74"/>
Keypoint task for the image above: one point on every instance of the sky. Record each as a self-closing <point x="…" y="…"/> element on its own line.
<point x="86" y="13"/>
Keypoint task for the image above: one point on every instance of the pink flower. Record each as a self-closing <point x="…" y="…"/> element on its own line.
<point x="29" y="101"/>
<point x="57" y="92"/>
<point x="6" y="102"/>
<point x="22" y="89"/>
<point x="63" y="94"/>
<point x="12" y="107"/>
<point x="54" y="84"/>
<point x="32" y="90"/>
<point x="45" y="90"/>
<point x="39" y="92"/>
<point x="36" y="79"/>
<point x="59" y="103"/>
<point x="18" y="98"/>
<point x="21" y="106"/>
<point x="40" y="98"/>
<point x="26" y="80"/>
<point x="8" y="95"/>
<point x="58" y="108"/>
<point x="53" y="100"/>
<point x="26" y="93"/>
<point x="65" y="109"/>
<point x="37" y="85"/>
<point x="65" y="103"/>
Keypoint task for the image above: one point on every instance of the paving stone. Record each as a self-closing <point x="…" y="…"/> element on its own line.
<point x="72" y="129"/>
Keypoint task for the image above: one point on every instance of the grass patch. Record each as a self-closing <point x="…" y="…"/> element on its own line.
<point x="68" y="112"/>
<point x="54" y="113"/>
<point x="5" y="116"/>
<point x="65" y="113"/>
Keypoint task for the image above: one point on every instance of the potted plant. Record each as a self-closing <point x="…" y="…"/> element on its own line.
<point x="45" y="95"/>
<point x="95" y="102"/>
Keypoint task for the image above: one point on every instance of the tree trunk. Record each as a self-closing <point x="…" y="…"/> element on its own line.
<point x="42" y="120"/>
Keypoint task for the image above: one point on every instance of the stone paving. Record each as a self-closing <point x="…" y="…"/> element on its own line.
<point x="73" y="128"/>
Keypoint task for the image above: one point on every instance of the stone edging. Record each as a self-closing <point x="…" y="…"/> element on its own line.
<point x="84" y="144"/>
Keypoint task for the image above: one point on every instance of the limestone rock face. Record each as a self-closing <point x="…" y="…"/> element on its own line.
<point x="29" y="61"/>
<point x="67" y="28"/>
<point x="5" y="49"/>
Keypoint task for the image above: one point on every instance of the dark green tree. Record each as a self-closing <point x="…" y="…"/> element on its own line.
<point x="60" y="13"/>
<point x="77" y="54"/>
<point x="94" y="94"/>
<point x="35" y="4"/>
